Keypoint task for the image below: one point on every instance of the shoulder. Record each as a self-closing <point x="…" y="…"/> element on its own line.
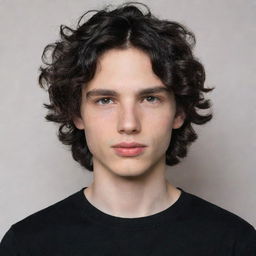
<point x="210" y="215"/>
<point x="56" y="214"/>
<point x="42" y="225"/>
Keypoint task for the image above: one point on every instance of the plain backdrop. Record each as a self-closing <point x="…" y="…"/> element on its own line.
<point x="36" y="170"/>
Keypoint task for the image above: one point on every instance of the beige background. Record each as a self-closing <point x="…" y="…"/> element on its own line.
<point x="36" y="170"/>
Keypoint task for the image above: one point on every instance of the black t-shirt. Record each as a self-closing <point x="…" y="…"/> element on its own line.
<point x="73" y="226"/>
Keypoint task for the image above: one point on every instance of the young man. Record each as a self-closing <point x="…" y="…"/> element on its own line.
<point x="125" y="87"/>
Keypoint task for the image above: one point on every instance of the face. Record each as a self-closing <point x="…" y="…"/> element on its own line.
<point x="127" y="114"/>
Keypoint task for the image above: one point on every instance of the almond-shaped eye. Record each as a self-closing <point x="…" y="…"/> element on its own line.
<point x="153" y="97"/>
<point x="102" y="100"/>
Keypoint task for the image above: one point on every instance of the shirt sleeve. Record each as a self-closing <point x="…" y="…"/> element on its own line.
<point x="8" y="245"/>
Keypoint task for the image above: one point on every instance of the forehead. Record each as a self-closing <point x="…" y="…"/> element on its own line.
<point x="122" y="70"/>
<point x="123" y="55"/>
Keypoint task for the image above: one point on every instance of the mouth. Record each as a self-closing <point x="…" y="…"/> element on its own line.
<point x="132" y="151"/>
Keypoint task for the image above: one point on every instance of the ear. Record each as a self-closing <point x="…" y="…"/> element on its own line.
<point x="178" y="120"/>
<point x="78" y="122"/>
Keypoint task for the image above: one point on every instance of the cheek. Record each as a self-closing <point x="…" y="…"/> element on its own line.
<point x="166" y="122"/>
<point x="97" y="120"/>
<point x="160" y="130"/>
<point x="97" y="129"/>
<point x="160" y="122"/>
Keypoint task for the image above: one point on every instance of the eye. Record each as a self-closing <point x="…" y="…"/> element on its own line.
<point x="101" y="100"/>
<point x="158" y="99"/>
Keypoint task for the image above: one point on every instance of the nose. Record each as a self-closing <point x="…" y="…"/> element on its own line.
<point x="129" y="120"/>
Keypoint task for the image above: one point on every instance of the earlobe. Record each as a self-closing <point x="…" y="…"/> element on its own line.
<point x="78" y="122"/>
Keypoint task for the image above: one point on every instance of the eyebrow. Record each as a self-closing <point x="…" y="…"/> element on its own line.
<point x="145" y="91"/>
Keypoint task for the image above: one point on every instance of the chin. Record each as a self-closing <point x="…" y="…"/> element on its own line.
<point x="131" y="173"/>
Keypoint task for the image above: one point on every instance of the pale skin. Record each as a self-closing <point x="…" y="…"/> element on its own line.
<point x="128" y="187"/>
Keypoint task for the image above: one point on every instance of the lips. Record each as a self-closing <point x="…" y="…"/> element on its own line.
<point x="134" y="151"/>
<point x="129" y="145"/>
<point x="129" y="148"/>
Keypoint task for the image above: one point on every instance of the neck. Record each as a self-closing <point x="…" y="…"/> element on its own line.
<point x="131" y="197"/>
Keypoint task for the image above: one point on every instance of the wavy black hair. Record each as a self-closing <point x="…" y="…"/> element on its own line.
<point x="71" y="62"/>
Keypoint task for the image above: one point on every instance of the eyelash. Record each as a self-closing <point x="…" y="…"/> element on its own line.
<point x="97" y="101"/>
